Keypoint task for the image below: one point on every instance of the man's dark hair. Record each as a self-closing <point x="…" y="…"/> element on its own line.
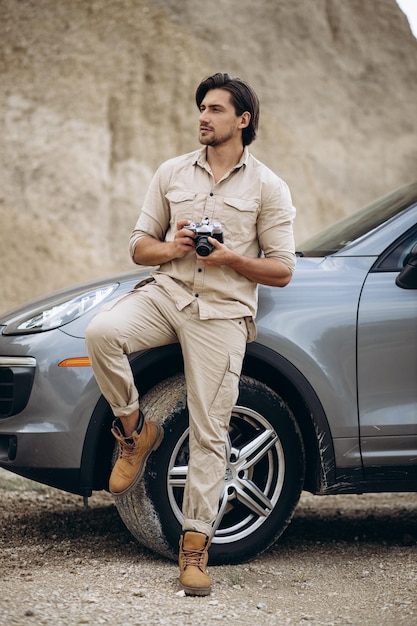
<point x="243" y="98"/>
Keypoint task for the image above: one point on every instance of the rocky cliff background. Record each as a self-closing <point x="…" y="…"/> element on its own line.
<point x="94" y="94"/>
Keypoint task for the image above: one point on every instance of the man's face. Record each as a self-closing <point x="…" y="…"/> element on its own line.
<point x="218" y="120"/>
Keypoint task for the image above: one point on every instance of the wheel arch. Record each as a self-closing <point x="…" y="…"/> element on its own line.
<point x="285" y="379"/>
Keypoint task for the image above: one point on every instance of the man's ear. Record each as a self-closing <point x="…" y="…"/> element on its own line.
<point x="245" y="120"/>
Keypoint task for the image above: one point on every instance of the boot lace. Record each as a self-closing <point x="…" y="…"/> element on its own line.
<point x="126" y="449"/>
<point x="193" y="557"/>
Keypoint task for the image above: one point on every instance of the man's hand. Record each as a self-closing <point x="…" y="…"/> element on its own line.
<point x="221" y="255"/>
<point x="150" y="251"/>
<point x="183" y="239"/>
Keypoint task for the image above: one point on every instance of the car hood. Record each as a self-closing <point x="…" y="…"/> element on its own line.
<point x="312" y="276"/>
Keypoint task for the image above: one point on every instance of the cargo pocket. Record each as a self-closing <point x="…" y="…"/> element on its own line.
<point x="228" y="391"/>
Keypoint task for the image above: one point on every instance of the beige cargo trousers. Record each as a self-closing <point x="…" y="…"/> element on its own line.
<point x="213" y="351"/>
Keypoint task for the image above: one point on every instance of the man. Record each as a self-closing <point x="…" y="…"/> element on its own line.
<point x="206" y="303"/>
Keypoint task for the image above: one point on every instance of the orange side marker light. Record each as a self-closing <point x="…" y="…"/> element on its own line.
<point x="78" y="361"/>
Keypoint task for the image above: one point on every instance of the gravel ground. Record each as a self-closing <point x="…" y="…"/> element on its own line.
<point x="343" y="560"/>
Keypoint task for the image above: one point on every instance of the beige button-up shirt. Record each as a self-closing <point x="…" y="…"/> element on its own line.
<point x="255" y="209"/>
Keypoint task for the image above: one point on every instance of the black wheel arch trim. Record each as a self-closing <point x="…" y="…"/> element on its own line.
<point x="283" y="377"/>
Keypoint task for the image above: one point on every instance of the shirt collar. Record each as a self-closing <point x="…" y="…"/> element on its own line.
<point x="201" y="158"/>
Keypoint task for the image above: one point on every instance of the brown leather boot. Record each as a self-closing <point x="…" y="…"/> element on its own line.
<point x="193" y="560"/>
<point x="134" y="451"/>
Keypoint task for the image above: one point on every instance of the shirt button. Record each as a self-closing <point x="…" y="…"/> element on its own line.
<point x="199" y="269"/>
<point x="211" y="193"/>
<point x="196" y="295"/>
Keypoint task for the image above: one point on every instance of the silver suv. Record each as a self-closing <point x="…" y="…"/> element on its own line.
<point x="328" y="396"/>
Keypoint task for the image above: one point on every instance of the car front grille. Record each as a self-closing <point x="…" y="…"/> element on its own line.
<point x="16" y="380"/>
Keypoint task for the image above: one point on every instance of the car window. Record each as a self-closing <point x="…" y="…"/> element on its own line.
<point x="395" y="257"/>
<point x="351" y="228"/>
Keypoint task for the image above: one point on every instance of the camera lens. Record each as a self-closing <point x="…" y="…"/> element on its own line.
<point x="203" y="246"/>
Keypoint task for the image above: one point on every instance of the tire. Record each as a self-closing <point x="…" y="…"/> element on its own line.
<point x="263" y="481"/>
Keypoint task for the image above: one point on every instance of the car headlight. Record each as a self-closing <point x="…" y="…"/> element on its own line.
<point x="58" y="313"/>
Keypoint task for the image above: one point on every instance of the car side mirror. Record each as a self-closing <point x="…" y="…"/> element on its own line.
<point x="407" y="278"/>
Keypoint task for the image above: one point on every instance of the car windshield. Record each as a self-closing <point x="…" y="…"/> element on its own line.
<point x="346" y="231"/>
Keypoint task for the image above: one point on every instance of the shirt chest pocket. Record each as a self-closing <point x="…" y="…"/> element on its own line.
<point x="182" y="205"/>
<point x="239" y="218"/>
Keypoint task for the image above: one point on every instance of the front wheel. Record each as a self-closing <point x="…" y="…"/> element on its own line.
<point x="263" y="478"/>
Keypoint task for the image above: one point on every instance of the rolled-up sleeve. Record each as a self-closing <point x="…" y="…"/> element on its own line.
<point x="154" y="218"/>
<point x="275" y="222"/>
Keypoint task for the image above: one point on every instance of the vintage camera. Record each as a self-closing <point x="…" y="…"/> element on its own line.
<point x="203" y="230"/>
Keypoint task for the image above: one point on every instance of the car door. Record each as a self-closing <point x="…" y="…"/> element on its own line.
<point x="387" y="369"/>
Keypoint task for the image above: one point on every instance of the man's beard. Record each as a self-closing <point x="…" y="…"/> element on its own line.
<point x="214" y="140"/>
